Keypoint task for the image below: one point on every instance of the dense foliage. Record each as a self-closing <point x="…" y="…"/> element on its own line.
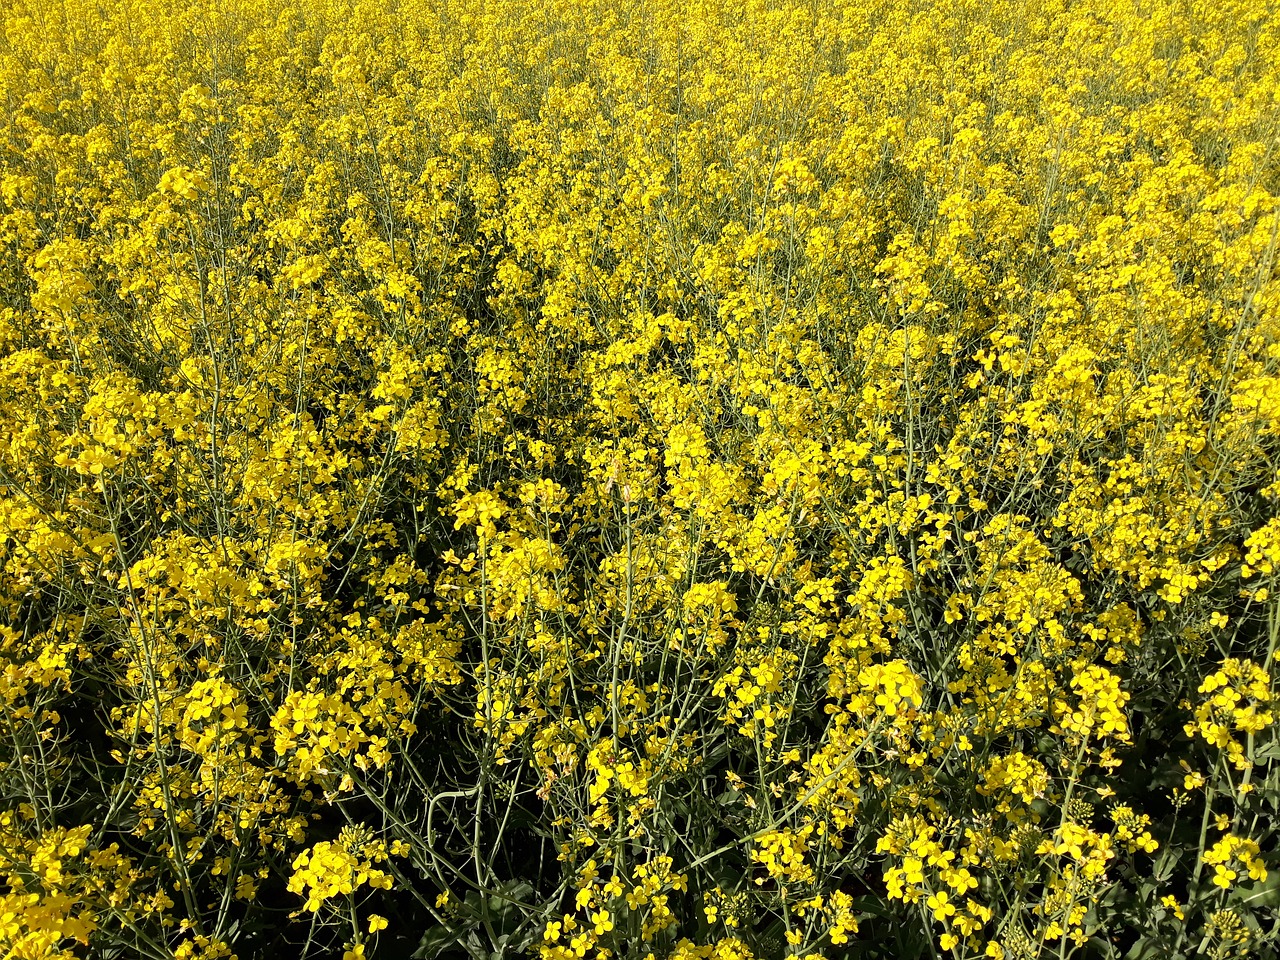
<point x="639" y="479"/>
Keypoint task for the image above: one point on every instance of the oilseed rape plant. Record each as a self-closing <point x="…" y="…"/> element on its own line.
<point x="639" y="480"/>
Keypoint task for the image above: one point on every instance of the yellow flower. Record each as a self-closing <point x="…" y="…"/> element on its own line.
<point x="941" y="906"/>
<point x="603" y="922"/>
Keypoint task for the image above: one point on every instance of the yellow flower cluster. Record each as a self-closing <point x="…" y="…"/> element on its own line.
<point x="638" y="906"/>
<point x="782" y="854"/>
<point x="1235" y="699"/>
<point x="338" y="869"/>
<point x="1231" y="857"/>
<point x="639" y="480"/>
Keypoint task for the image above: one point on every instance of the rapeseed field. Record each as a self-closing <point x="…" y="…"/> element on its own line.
<point x="639" y="479"/>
